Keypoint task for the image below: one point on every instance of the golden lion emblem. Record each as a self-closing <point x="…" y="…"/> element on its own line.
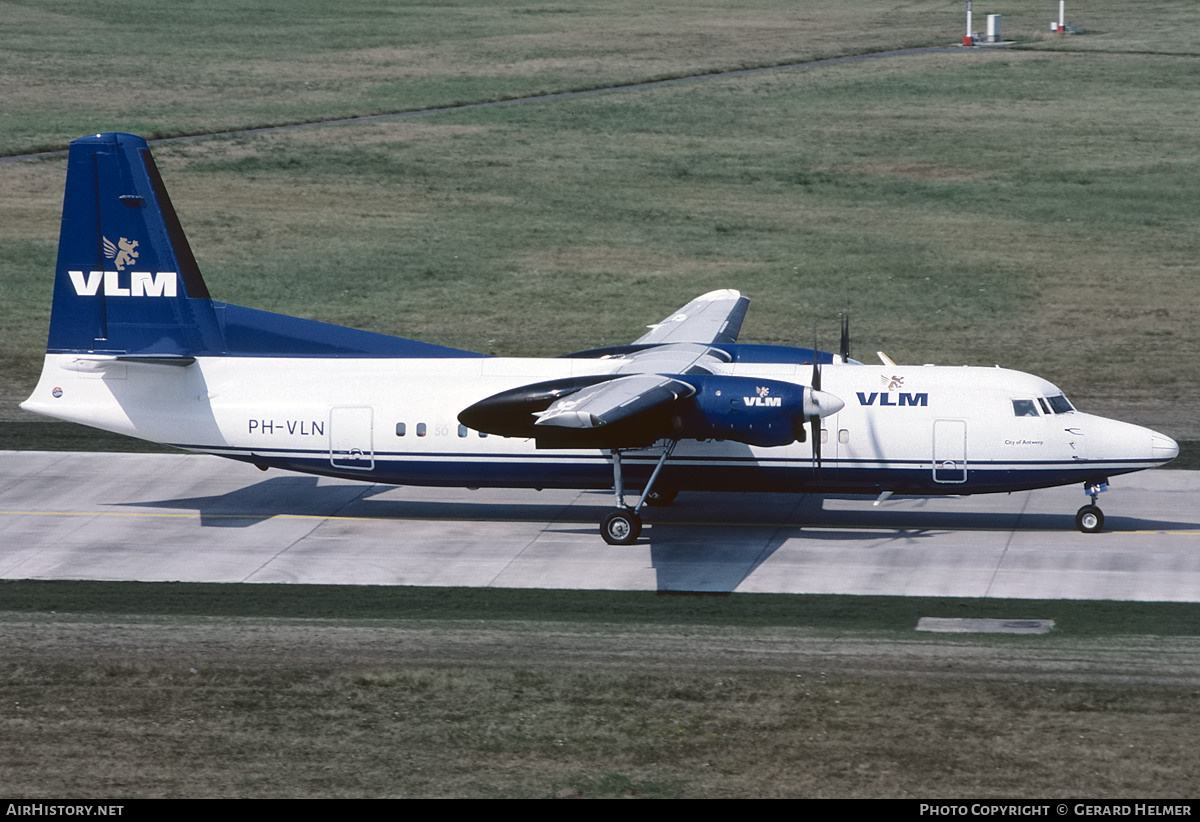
<point x="123" y="253"/>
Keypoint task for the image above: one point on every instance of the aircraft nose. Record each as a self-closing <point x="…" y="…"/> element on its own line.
<point x="1163" y="449"/>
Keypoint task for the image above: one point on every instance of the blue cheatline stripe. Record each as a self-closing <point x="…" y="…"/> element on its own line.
<point x="593" y="470"/>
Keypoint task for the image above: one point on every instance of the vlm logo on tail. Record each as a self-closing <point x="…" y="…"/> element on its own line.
<point x="141" y="283"/>
<point x="124" y="252"/>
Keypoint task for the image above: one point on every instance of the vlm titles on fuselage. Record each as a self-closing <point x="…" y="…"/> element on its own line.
<point x="138" y="347"/>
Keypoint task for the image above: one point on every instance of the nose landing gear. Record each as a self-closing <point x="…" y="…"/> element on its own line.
<point x="1090" y="519"/>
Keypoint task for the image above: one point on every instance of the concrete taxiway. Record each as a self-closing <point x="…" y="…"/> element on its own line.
<point x="157" y="517"/>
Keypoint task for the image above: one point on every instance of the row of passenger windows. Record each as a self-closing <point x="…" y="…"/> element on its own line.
<point x="422" y="429"/>
<point x="1057" y="404"/>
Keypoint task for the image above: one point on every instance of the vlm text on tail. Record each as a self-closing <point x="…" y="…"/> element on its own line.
<point x="127" y="284"/>
<point x="131" y="313"/>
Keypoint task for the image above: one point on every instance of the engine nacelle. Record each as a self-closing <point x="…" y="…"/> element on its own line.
<point x="744" y="409"/>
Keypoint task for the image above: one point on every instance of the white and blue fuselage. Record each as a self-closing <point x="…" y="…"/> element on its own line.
<point x="138" y="347"/>
<point x="905" y="429"/>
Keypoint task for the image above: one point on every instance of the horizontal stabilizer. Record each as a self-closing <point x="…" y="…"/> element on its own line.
<point x="99" y="362"/>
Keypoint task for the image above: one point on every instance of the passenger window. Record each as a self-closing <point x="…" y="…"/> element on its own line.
<point x="399" y="429"/>
<point x="462" y="430"/>
<point x="1024" y="408"/>
<point x="843" y="436"/>
<point x="420" y="429"/>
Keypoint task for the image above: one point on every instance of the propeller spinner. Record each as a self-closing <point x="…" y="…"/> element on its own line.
<point x="818" y="403"/>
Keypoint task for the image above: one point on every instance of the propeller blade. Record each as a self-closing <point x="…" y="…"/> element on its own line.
<point x="816" y="359"/>
<point x="817" y="404"/>
<point x="815" y="421"/>
<point x="844" y="349"/>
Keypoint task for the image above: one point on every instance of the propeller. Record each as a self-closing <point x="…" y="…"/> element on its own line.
<point x="814" y="422"/>
<point x="844" y="348"/>
<point x="817" y="403"/>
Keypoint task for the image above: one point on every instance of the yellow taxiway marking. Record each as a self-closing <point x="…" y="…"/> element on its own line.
<point x="196" y="515"/>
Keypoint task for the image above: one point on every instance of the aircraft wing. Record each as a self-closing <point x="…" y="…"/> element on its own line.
<point x="634" y="403"/>
<point x="673" y="358"/>
<point x="715" y="317"/>
<point x="614" y="400"/>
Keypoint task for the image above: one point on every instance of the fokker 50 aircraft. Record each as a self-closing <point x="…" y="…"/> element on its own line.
<point x="137" y="346"/>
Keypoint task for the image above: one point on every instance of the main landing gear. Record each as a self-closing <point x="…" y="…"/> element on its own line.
<point x="623" y="525"/>
<point x="1090" y="519"/>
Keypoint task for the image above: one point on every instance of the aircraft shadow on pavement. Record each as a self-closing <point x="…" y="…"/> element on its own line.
<point x="694" y="518"/>
<point x="277" y="496"/>
<point x="304" y="496"/>
<point x="721" y="553"/>
<point x="704" y="543"/>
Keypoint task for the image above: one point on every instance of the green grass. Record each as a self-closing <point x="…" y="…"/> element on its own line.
<point x="896" y="616"/>
<point x="328" y="691"/>
<point x="1022" y="208"/>
<point x="1026" y="208"/>
<point x="76" y="67"/>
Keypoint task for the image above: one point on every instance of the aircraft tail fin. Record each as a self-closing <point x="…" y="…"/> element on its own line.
<point x="125" y="281"/>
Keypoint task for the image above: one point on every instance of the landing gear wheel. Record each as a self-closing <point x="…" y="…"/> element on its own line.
<point x="663" y="498"/>
<point x="621" y="527"/>
<point x="1089" y="519"/>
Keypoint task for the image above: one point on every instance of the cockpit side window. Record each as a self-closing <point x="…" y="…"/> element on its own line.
<point x="1060" y="404"/>
<point x="1024" y="408"/>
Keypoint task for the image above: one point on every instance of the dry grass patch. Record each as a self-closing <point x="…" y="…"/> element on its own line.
<point x="191" y="707"/>
<point x="584" y="261"/>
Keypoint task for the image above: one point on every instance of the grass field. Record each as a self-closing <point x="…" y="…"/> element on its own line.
<point x="305" y="691"/>
<point x="1032" y="206"/>
<point x="166" y="69"/>
<point x="1027" y="207"/>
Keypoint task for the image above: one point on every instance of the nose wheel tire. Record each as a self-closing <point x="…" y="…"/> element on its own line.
<point x="1089" y="519"/>
<point x="621" y="527"/>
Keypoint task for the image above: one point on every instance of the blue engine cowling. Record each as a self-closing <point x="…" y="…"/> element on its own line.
<point x="752" y="410"/>
<point x="743" y="409"/>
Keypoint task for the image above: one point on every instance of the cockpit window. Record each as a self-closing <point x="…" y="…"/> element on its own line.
<point x="1024" y="408"/>
<point x="1060" y="404"/>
